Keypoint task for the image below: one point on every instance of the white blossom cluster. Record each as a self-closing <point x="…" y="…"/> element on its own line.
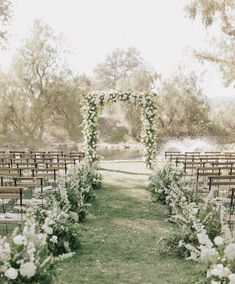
<point x="22" y="256"/>
<point x="186" y="207"/>
<point x="219" y="255"/>
<point x="95" y="102"/>
<point x="25" y="254"/>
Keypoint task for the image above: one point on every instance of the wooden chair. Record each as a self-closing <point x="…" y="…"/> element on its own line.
<point x="230" y="218"/>
<point x="7" y="194"/>
<point x="205" y="172"/>
<point x="218" y="181"/>
<point x="45" y="173"/>
<point x="10" y="172"/>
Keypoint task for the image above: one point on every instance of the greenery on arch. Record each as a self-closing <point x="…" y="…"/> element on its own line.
<point x="96" y="101"/>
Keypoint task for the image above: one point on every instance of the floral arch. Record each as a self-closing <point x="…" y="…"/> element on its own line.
<point x="94" y="104"/>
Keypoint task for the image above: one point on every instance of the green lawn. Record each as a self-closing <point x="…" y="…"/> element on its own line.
<point x="120" y="238"/>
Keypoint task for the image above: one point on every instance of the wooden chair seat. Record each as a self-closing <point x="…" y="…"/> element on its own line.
<point x="230" y="218"/>
<point x="4" y="201"/>
<point x="11" y="188"/>
<point x="208" y="174"/>
<point x="51" y="169"/>
<point x="28" y="202"/>
<point x="222" y="200"/>
<point x="223" y="177"/>
<point x="203" y="190"/>
<point x="10" y="196"/>
<point x="46" y="175"/>
<point x="11" y="218"/>
<point x="219" y="183"/>
<point x="45" y="189"/>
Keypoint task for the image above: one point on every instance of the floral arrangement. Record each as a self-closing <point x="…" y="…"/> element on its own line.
<point x="85" y="179"/>
<point x="204" y="236"/>
<point x="24" y="257"/>
<point x="218" y="255"/>
<point x="207" y="215"/>
<point x="63" y="232"/>
<point x="163" y="181"/>
<point x="95" y="102"/>
<point x="49" y="234"/>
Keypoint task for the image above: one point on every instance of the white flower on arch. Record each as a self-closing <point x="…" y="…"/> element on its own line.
<point x="94" y="102"/>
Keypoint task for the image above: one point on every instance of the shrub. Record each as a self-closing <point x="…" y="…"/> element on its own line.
<point x="162" y="181"/>
<point x="173" y="241"/>
<point x="207" y="215"/>
<point x="185" y="206"/>
<point x="63" y="233"/>
<point x="50" y="233"/>
<point x="24" y="256"/>
<point x="85" y="179"/>
<point x="75" y="198"/>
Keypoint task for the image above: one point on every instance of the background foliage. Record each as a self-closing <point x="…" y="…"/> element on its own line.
<point x="41" y="98"/>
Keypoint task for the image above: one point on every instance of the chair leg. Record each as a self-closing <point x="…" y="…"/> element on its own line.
<point x="231" y="209"/>
<point x="6" y="228"/>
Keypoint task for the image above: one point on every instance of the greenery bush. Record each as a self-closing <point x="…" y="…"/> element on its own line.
<point x="209" y="217"/>
<point x="168" y="187"/>
<point x="24" y="255"/>
<point x="63" y="233"/>
<point x="162" y="181"/>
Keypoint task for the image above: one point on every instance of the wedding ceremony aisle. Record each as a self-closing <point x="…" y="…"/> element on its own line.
<point x="122" y="235"/>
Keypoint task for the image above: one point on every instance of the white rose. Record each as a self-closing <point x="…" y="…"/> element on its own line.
<point x="11" y="273"/>
<point x="42" y="237"/>
<point x="54" y="239"/>
<point x="47" y="229"/>
<point x="218" y="241"/>
<point x="183" y="199"/>
<point x="195" y="211"/>
<point x="7" y="247"/>
<point x="229" y="251"/>
<point x="28" y="269"/>
<point x="208" y="253"/>
<point x="220" y="271"/>
<point x="226" y="272"/>
<point x="231" y="277"/>
<point x="18" y="240"/>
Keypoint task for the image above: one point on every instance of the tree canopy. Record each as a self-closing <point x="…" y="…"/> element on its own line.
<point x="5" y="15"/>
<point x="221" y="12"/>
<point x="183" y="110"/>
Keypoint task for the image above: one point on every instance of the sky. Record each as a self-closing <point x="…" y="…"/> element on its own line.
<point x="159" y="29"/>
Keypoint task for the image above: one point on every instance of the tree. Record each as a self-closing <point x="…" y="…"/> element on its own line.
<point x="225" y="123"/>
<point x="26" y="104"/>
<point x="213" y="10"/>
<point x="221" y="11"/>
<point x="5" y="15"/>
<point x="125" y="70"/>
<point x="183" y="110"/>
<point x="40" y="98"/>
<point x="65" y="103"/>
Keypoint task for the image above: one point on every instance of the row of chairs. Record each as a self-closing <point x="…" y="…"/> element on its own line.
<point x="25" y="177"/>
<point x="213" y="172"/>
<point x="41" y="156"/>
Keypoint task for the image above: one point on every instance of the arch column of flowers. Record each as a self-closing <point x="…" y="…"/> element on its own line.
<point x="91" y="109"/>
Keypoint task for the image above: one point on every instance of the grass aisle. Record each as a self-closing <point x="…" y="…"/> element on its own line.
<point x="119" y="243"/>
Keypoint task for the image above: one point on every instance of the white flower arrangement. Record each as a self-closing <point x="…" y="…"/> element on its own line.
<point x="49" y="234"/>
<point x="195" y="217"/>
<point x="219" y="255"/>
<point x="95" y="102"/>
<point x="25" y="256"/>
